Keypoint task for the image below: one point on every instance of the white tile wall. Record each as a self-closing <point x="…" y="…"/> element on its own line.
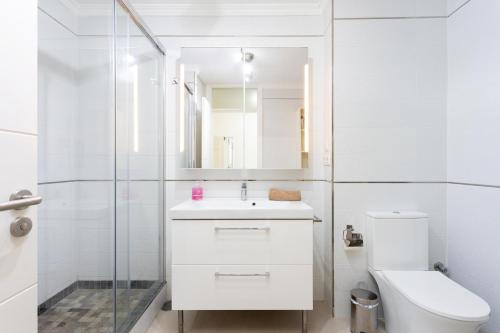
<point x="57" y="120"/>
<point x="473" y="261"/>
<point x="473" y="141"/>
<point x="473" y="103"/>
<point x="57" y="244"/>
<point x="94" y="234"/>
<point x="390" y="120"/>
<point x="95" y="109"/>
<point x="57" y="100"/>
<point x="390" y="100"/>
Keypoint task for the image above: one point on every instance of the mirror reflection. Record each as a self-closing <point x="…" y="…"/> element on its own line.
<point x="244" y="108"/>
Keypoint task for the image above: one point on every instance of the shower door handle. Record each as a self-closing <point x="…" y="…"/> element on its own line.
<point x="22" y="199"/>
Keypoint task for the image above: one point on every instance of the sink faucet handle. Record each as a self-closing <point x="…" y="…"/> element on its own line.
<point x="244" y="191"/>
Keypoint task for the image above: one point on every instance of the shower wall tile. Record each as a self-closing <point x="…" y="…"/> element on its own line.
<point x="57" y="251"/>
<point x="95" y="135"/>
<point x="95" y="231"/>
<point x="58" y="100"/>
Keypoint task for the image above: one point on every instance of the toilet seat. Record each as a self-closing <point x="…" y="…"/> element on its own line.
<point x="438" y="294"/>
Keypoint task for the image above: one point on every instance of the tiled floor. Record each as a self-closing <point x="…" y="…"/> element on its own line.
<point x="89" y="311"/>
<point x="320" y="321"/>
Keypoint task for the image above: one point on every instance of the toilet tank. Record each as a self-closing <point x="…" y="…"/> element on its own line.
<point x="397" y="241"/>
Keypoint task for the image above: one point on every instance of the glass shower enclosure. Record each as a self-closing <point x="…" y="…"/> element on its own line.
<point x="101" y="168"/>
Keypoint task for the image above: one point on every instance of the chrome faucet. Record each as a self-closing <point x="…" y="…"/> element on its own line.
<point x="243" y="191"/>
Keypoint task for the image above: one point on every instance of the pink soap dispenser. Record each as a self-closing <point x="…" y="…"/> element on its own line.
<point x="197" y="192"/>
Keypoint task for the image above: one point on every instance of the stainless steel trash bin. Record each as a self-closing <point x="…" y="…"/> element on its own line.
<point x="364" y="305"/>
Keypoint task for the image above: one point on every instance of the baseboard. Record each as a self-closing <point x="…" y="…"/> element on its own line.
<point x="149" y="315"/>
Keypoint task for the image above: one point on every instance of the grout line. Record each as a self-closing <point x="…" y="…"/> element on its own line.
<point x="474" y="184"/>
<point x="420" y="182"/>
<point x="390" y="18"/>
<point x="270" y="180"/>
<point x="460" y="7"/>
<point x="247" y="180"/>
<point x="236" y="36"/>
<point x="390" y="182"/>
<point x="182" y="180"/>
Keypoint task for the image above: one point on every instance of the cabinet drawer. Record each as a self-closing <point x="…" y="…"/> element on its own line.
<point x="242" y="287"/>
<point x="242" y="242"/>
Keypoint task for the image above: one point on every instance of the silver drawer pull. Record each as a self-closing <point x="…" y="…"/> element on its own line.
<point x="20" y="200"/>
<point x="242" y="228"/>
<point x="266" y="274"/>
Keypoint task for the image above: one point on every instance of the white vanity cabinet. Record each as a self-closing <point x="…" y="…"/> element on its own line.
<point x="242" y="264"/>
<point x="229" y="254"/>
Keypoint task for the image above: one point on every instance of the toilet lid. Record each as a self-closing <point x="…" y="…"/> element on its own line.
<point x="438" y="294"/>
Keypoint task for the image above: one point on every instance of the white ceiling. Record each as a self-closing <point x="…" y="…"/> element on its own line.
<point x="271" y="66"/>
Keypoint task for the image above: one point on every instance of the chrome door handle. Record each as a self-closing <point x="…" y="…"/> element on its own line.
<point x="242" y="228"/>
<point x="266" y="274"/>
<point x="20" y="200"/>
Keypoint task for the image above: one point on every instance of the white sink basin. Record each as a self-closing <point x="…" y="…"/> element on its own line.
<point x="233" y="208"/>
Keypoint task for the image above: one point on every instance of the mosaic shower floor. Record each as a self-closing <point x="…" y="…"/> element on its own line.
<point x="89" y="311"/>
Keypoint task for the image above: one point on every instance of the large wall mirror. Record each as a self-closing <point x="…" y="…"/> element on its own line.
<point x="244" y="108"/>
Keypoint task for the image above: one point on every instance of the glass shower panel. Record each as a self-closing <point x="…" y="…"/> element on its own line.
<point x="76" y="170"/>
<point x="139" y="170"/>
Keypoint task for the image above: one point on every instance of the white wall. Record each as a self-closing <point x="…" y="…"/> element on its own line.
<point x="473" y="149"/>
<point x="389" y="118"/>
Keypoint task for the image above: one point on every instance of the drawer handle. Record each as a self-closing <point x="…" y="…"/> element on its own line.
<point x="266" y="274"/>
<point x="243" y="228"/>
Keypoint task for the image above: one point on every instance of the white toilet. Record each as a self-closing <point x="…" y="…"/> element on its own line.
<point x="414" y="299"/>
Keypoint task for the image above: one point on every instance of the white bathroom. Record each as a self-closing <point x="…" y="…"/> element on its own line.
<point x="250" y="166"/>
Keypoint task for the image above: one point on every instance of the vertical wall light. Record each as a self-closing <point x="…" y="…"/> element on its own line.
<point x="306" y="108"/>
<point x="135" y="109"/>
<point x="181" y="107"/>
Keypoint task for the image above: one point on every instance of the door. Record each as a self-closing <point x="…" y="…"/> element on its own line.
<point x="18" y="163"/>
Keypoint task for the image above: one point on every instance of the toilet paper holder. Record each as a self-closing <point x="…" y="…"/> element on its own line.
<point x="351" y="238"/>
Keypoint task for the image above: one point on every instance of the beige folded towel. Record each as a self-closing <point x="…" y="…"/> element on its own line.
<point x="284" y="195"/>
